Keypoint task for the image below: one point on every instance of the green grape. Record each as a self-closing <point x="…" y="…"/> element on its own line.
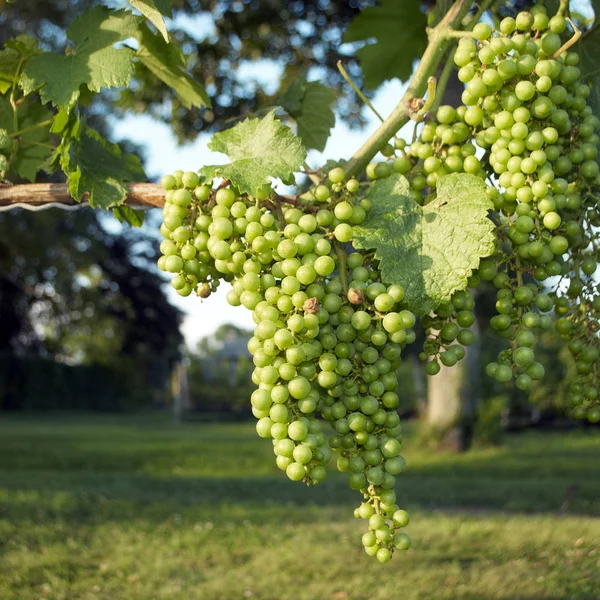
<point x="326" y="345"/>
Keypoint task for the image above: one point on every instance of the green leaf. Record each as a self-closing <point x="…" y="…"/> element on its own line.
<point x="33" y="149"/>
<point x="291" y="99"/>
<point x="167" y="62"/>
<point x="582" y="21"/>
<point x="399" y="31"/>
<point x="154" y="11"/>
<point x="310" y="105"/>
<point x="129" y="215"/>
<point x="99" y="168"/>
<point x="589" y="50"/>
<point x="13" y="58"/>
<point x="61" y="121"/>
<point x="208" y="171"/>
<point x="430" y="250"/>
<point x="94" y="61"/>
<point x="9" y="64"/>
<point x="67" y="124"/>
<point x="258" y="149"/>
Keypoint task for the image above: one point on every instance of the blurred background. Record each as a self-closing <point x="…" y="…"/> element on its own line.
<point x="129" y="466"/>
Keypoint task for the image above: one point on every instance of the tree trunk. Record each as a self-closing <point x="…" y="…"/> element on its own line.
<point x="452" y="399"/>
<point x="179" y="390"/>
<point x="419" y="383"/>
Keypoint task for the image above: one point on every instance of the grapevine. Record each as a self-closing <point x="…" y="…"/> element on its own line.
<point x="500" y="192"/>
<point x="332" y="316"/>
<point x="526" y="129"/>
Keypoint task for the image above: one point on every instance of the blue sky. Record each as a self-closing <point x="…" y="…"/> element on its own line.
<point x="164" y="156"/>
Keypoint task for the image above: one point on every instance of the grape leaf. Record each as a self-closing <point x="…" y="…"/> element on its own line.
<point x="589" y="50"/>
<point x="399" y="31"/>
<point x="167" y="62"/>
<point x="154" y="11"/>
<point x="310" y="105"/>
<point x="9" y="65"/>
<point x="61" y="121"/>
<point x="430" y="250"/>
<point x="258" y="149"/>
<point x="126" y="214"/>
<point x="94" y="61"/>
<point x="99" y="168"/>
<point x="13" y="58"/>
<point x="33" y="148"/>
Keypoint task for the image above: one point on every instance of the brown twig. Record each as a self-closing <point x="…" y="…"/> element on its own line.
<point x="141" y="195"/>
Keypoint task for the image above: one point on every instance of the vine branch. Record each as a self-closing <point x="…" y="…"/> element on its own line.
<point x="442" y="83"/>
<point x="439" y="41"/>
<point x="141" y="195"/>
<point x="148" y="195"/>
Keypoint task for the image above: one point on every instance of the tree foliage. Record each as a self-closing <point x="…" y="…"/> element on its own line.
<point x="219" y="42"/>
<point x="69" y="289"/>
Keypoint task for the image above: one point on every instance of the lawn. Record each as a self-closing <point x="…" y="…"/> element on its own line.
<point x="135" y="508"/>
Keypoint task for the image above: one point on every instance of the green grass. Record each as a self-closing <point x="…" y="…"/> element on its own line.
<point x="135" y="508"/>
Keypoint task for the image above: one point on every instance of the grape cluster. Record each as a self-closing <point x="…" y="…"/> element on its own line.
<point x="528" y="110"/>
<point x="328" y="333"/>
<point x="449" y="323"/>
<point x="526" y="128"/>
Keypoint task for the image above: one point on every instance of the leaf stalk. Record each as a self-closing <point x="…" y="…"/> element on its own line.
<point x="39" y="125"/>
<point x="358" y="91"/>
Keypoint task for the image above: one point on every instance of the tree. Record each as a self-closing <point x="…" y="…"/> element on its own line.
<point x="219" y="40"/>
<point x="501" y="189"/>
<point x="72" y="291"/>
<point x="220" y="371"/>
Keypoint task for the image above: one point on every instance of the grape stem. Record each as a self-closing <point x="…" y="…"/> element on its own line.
<point x="358" y="91"/>
<point x="342" y="265"/>
<point x="519" y="270"/>
<point x="39" y="125"/>
<point x="443" y="81"/>
<point x="570" y="41"/>
<point x="439" y="43"/>
<point x="563" y="9"/>
<point x="311" y="174"/>
<point x="431" y="87"/>
<point x="372" y="494"/>
<point x="294" y="201"/>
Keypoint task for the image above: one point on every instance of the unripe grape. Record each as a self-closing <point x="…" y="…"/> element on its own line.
<point x="336" y="175"/>
<point x="402" y="541"/>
